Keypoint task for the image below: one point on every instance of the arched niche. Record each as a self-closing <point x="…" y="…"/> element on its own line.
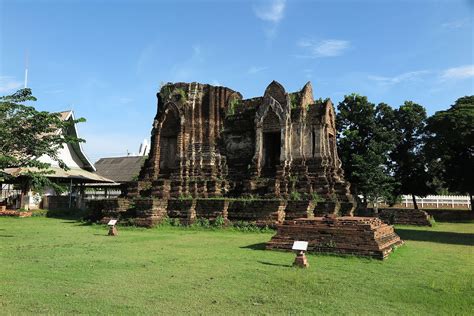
<point x="169" y="134"/>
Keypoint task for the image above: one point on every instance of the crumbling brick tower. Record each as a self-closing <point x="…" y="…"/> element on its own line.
<point x="264" y="160"/>
<point x="184" y="157"/>
<point x="209" y="142"/>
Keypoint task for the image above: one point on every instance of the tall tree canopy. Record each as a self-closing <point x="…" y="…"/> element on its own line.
<point x="27" y="134"/>
<point x="365" y="139"/>
<point x="408" y="161"/>
<point x="450" y="143"/>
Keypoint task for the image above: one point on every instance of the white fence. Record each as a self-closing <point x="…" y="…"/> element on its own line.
<point x="438" y="201"/>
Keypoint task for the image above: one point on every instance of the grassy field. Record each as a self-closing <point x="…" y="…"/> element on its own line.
<point x="55" y="266"/>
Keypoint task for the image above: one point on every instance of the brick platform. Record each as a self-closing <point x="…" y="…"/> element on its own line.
<point x="405" y="217"/>
<point x="361" y="236"/>
<point x="15" y="213"/>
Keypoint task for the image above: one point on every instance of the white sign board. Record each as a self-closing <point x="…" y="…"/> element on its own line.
<point x="112" y="222"/>
<point x="300" y="245"/>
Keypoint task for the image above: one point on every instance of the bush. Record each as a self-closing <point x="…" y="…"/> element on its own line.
<point x="175" y="222"/>
<point x="202" y="222"/>
<point x="220" y="221"/>
<point x="72" y="213"/>
<point x="39" y="213"/>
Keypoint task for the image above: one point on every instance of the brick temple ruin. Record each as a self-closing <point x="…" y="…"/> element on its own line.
<point x="263" y="160"/>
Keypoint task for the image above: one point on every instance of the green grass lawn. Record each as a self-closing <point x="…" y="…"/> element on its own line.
<point x="58" y="266"/>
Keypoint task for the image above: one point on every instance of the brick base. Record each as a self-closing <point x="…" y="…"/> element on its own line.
<point x="361" y="236"/>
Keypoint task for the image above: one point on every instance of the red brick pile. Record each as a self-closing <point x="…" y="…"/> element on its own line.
<point x="405" y="217"/>
<point x="361" y="236"/>
<point x="15" y="213"/>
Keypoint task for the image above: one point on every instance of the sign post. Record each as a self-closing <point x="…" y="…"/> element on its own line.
<point x="112" y="228"/>
<point x="300" y="247"/>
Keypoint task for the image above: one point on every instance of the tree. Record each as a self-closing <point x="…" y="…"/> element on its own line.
<point x="27" y="134"/>
<point x="450" y="143"/>
<point x="365" y="139"/>
<point x="408" y="160"/>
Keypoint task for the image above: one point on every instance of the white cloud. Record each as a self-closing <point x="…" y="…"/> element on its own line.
<point x="457" y="24"/>
<point x="462" y="72"/>
<point x="324" y="48"/>
<point x="253" y="70"/>
<point x="407" y="76"/>
<point x="9" y="84"/>
<point x="271" y="11"/>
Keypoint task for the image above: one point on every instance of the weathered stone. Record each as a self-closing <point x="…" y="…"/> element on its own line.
<point x="405" y="216"/>
<point x="362" y="236"/>
<point x="212" y="209"/>
<point x="113" y="231"/>
<point x="214" y="154"/>
<point x="209" y="142"/>
<point x="299" y="209"/>
<point x="260" y="212"/>
<point x="150" y="212"/>
<point x="301" y="261"/>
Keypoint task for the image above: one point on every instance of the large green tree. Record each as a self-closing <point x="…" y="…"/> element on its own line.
<point x="408" y="161"/>
<point x="365" y="140"/>
<point x="450" y="143"/>
<point x="27" y="134"/>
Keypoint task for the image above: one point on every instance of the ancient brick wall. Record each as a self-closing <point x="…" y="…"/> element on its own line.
<point x="209" y="142"/>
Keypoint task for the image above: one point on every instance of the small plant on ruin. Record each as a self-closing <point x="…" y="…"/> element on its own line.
<point x="182" y="94"/>
<point x="329" y="244"/>
<point x="315" y="197"/>
<point x="185" y="197"/>
<point x="165" y="93"/>
<point x="232" y="106"/>
<point x="145" y="189"/>
<point x="295" y="196"/>
<point x="294" y="100"/>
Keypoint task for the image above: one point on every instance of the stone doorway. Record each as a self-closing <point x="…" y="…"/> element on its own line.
<point x="271" y="153"/>
<point x="169" y="144"/>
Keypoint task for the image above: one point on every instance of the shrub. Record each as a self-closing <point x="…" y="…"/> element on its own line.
<point x="202" y="222"/>
<point x="39" y="213"/>
<point x="220" y="221"/>
<point x="71" y="213"/>
<point x="175" y="222"/>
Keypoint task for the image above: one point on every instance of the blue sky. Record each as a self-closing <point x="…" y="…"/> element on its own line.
<point x="106" y="59"/>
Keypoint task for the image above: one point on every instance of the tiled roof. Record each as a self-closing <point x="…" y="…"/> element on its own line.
<point x="120" y="169"/>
